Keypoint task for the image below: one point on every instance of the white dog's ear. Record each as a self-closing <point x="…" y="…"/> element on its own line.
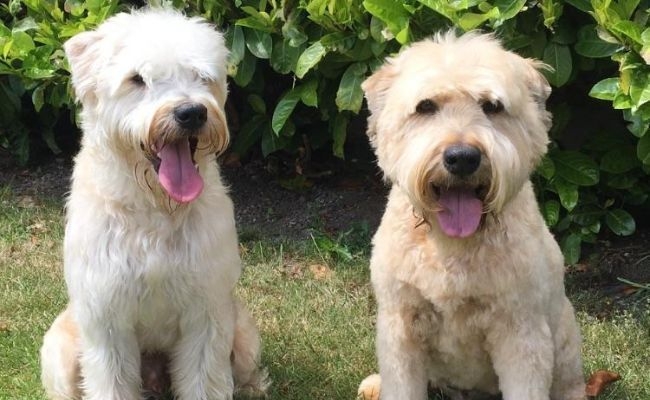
<point x="224" y="132"/>
<point x="83" y="52"/>
<point x="375" y="88"/>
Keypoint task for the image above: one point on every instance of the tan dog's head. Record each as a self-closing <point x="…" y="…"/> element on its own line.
<point x="153" y="86"/>
<point x="459" y="124"/>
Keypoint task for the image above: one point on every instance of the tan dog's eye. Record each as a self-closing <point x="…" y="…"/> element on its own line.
<point x="426" y="106"/>
<point x="137" y="80"/>
<point x="492" y="107"/>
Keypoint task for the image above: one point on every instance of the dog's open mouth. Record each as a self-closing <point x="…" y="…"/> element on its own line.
<point x="461" y="209"/>
<point x="177" y="172"/>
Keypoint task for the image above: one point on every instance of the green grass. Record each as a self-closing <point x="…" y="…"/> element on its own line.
<point x="315" y="313"/>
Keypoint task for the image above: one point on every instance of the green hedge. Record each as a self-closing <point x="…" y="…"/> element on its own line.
<point x="297" y="65"/>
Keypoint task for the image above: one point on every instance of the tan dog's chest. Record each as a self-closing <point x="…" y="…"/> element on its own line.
<point x="453" y="332"/>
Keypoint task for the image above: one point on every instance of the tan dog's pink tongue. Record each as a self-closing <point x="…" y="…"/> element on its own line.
<point x="461" y="214"/>
<point x="177" y="173"/>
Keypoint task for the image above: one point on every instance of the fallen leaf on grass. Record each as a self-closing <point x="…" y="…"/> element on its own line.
<point x="320" y="271"/>
<point x="4" y="326"/>
<point x="599" y="380"/>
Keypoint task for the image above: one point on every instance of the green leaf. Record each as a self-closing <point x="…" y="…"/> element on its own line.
<point x="48" y="137"/>
<point x="620" y="222"/>
<point x="393" y="14"/>
<point x="349" y="95"/>
<point x="629" y="29"/>
<point x="509" y="8"/>
<point x="546" y="168"/>
<point x="571" y="248"/>
<point x="582" y="5"/>
<point x="249" y="134"/>
<point x="284" y="57"/>
<point x="310" y="58"/>
<point x="640" y="87"/>
<point x="272" y="142"/>
<point x="576" y="167"/>
<point x="245" y="70"/>
<point x="339" y="133"/>
<point x="551" y="212"/>
<point x="559" y="57"/>
<point x="622" y="181"/>
<point x="255" y="23"/>
<point x="24" y="25"/>
<point x="469" y="21"/>
<point x="257" y="103"/>
<point x="38" y="97"/>
<point x="591" y="45"/>
<point x="237" y="46"/>
<point x="568" y="193"/>
<point x="605" y="89"/>
<point x="284" y="108"/>
<point x="292" y="32"/>
<point x="309" y="94"/>
<point x="259" y="43"/>
<point x="619" y="160"/>
<point x="643" y="149"/>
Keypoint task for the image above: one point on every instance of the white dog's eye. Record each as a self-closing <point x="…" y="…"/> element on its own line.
<point x="426" y="106"/>
<point x="491" y="107"/>
<point x="137" y="80"/>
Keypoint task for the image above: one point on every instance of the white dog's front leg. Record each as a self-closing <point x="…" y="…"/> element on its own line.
<point x="110" y="362"/>
<point x="401" y="358"/>
<point x="200" y="365"/>
<point x="522" y="355"/>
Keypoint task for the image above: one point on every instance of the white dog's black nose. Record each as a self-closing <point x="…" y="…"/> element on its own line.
<point x="461" y="159"/>
<point x="191" y="116"/>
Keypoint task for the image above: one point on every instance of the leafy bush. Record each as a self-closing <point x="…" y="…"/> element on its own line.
<point x="297" y="66"/>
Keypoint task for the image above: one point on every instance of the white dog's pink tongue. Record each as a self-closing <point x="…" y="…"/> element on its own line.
<point x="461" y="214"/>
<point x="177" y="174"/>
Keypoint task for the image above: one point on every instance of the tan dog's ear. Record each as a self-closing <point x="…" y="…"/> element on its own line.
<point x="539" y="87"/>
<point x="83" y="51"/>
<point x="375" y="88"/>
<point x="537" y="83"/>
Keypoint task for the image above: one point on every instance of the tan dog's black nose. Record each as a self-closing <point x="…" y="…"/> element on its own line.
<point x="461" y="159"/>
<point x="191" y="116"/>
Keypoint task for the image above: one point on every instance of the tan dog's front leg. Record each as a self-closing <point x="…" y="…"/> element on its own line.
<point x="522" y="355"/>
<point x="401" y="359"/>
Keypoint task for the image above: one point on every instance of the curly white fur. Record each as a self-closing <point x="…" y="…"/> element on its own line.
<point x="145" y="272"/>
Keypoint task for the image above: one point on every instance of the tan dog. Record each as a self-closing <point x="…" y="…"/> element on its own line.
<point x="150" y="250"/>
<point x="468" y="279"/>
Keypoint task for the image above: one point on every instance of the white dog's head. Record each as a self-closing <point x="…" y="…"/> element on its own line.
<point x="153" y="86"/>
<point x="459" y="124"/>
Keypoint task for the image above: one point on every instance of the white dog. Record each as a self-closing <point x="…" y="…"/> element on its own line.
<point x="150" y="251"/>
<point x="468" y="279"/>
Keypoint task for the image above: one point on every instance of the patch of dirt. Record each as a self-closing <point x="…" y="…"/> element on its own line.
<point x="264" y="206"/>
<point x="273" y="208"/>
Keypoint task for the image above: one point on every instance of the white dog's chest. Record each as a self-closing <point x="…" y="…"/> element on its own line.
<point x="157" y="313"/>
